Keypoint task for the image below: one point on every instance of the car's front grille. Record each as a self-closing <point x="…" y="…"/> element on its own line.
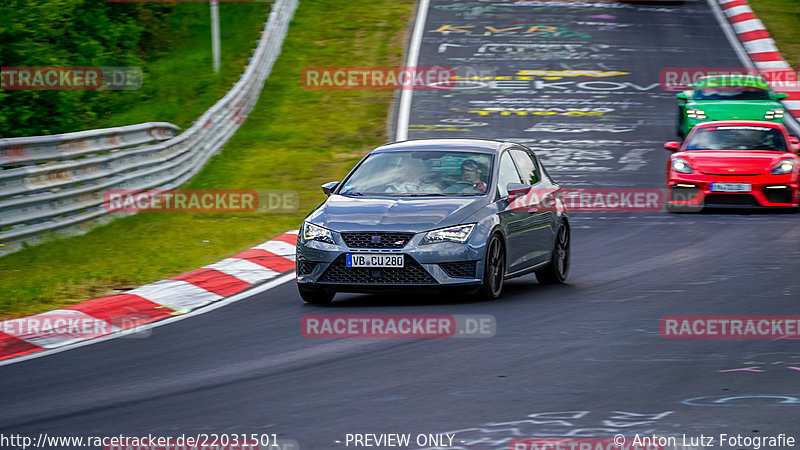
<point x="411" y="273"/>
<point x="730" y="200"/>
<point x="305" y="267"/>
<point x="783" y="195"/>
<point x="464" y="269"/>
<point x="377" y="240"/>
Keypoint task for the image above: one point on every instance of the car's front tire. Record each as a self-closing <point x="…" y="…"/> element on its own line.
<point x="557" y="270"/>
<point x="494" y="269"/>
<point x="316" y="296"/>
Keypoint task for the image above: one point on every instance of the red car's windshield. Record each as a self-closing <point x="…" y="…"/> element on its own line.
<point x="737" y="138"/>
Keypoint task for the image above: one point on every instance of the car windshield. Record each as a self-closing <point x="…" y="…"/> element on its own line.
<point x="421" y="174"/>
<point x="737" y="138"/>
<point x="731" y="93"/>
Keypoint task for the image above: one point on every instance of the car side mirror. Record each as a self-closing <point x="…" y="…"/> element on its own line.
<point x="327" y="188"/>
<point x="517" y="190"/>
<point x="681" y="96"/>
<point x="672" y="146"/>
<point x="795" y="143"/>
<point x="781" y="95"/>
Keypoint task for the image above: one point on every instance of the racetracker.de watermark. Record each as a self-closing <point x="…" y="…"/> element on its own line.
<point x="588" y="200"/>
<point x="69" y="324"/>
<point x="398" y="326"/>
<point x="118" y="78"/>
<point x="200" y="201"/>
<point x="730" y="327"/>
<point x="377" y="78"/>
<point x="681" y="78"/>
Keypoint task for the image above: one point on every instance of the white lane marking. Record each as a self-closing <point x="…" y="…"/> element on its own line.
<point x="748" y="25"/>
<point x="413" y="58"/>
<point x="243" y="269"/>
<point x="175" y="294"/>
<point x="289" y="276"/>
<point x="61" y="327"/>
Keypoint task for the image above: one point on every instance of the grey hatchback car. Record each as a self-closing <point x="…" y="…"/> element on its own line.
<point x="435" y="214"/>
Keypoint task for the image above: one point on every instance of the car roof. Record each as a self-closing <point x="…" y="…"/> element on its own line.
<point x="462" y="145"/>
<point x="748" y="123"/>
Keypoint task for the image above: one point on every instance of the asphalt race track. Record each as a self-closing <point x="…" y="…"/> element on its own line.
<point x="584" y="359"/>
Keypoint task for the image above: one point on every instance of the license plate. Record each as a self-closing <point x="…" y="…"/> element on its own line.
<point x="731" y="187"/>
<point x="374" y="260"/>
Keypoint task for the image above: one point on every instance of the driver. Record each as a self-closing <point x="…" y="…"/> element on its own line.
<point x="471" y="173"/>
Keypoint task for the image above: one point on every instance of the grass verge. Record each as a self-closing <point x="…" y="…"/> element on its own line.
<point x="782" y="19"/>
<point x="180" y="85"/>
<point x="294" y="139"/>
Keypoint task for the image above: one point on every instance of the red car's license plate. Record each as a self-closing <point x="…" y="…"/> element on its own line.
<point x="731" y="187"/>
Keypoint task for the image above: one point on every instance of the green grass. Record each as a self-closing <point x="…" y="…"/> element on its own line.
<point x="294" y="139"/>
<point x="782" y="19"/>
<point x="180" y="84"/>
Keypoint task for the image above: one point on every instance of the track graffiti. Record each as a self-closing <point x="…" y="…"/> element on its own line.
<point x="497" y="435"/>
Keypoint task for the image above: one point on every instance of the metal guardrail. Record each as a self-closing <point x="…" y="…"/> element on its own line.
<point x="64" y="192"/>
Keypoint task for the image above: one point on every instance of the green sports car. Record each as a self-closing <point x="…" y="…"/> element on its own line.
<point x="728" y="97"/>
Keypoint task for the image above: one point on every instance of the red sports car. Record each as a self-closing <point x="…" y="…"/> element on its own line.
<point x="734" y="163"/>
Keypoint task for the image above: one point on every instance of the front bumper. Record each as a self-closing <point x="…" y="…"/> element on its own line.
<point x="426" y="266"/>
<point x="767" y="191"/>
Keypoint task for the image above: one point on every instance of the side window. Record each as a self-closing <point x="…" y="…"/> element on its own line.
<point x="508" y="174"/>
<point x="526" y="165"/>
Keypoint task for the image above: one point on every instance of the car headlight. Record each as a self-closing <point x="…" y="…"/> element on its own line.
<point x="459" y="234"/>
<point x="784" y="166"/>
<point x="694" y="113"/>
<point x="776" y="113"/>
<point x="681" y="165"/>
<point x="313" y="232"/>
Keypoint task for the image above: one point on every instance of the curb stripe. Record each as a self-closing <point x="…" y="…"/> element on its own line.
<point x="748" y="25"/>
<point x="177" y="295"/>
<point x="737" y="10"/>
<point x="214" y="281"/>
<point x="766" y="56"/>
<point x="267" y="259"/>
<point x="742" y="17"/>
<point x="754" y="35"/>
<point x="279" y="248"/>
<point x="83" y="327"/>
<point x="772" y="65"/>
<point x="288" y="238"/>
<point x="760" y="46"/>
<point x="793" y="105"/>
<point x="123" y="310"/>
<point x="11" y="346"/>
<point x="149" y="303"/>
<point x="244" y="270"/>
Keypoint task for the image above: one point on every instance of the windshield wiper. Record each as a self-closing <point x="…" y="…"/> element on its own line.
<point x="352" y="194"/>
<point x="426" y="195"/>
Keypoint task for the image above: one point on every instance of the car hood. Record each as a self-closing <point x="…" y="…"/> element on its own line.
<point x="734" y="109"/>
<point x="733" y="162"/>
<point x="343" y="213"/>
